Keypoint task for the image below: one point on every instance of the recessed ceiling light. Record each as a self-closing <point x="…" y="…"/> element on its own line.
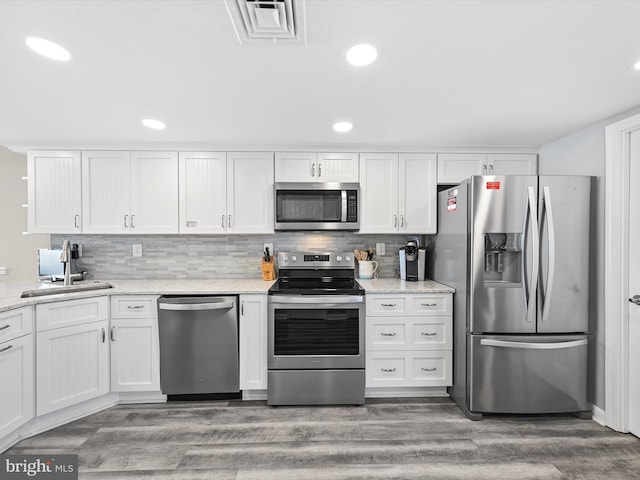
<point x="342" y="127"/>
<point x="636" y="65"/>
<point x="361" y="55"/>
<point x="155" y="124"/>
<point x="48" y="49"/>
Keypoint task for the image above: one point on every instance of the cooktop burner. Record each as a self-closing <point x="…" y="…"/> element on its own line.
<point x="316" y="274"/>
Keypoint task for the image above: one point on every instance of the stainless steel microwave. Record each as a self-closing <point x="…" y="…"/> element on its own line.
<point x="317" y="206"/>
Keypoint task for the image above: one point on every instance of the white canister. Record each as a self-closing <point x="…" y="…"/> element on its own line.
<point x="367" y="268"/>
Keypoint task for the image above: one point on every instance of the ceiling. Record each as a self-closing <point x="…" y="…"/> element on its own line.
<point x="448" y="73"/>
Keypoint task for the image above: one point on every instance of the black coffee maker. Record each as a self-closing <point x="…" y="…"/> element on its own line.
<point x="412" y="260"/>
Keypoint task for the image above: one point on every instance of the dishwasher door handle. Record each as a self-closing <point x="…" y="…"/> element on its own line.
<point x="195" y="306"/>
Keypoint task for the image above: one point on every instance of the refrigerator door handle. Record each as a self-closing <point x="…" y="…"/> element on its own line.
<point x="546" y="295"/>
<point x="530" y="295"/>
<point x="533" y="346"/>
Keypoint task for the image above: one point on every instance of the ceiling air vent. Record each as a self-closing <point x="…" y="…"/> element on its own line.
<point x="270" y="20"/>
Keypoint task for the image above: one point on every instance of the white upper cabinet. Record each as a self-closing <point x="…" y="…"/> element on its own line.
<point x="249" y="192"/>
<point x="130" y="192"/>
<point x="55" y="192"/>
<point x="316" y="167"/>
<point x="398" y="193"/>
<point x="417" y="193"/>
<point x="512" y="163"/>
<point x="106" y="202"/>
<point x="203" y="192"/>
<point x="455" y="167"/>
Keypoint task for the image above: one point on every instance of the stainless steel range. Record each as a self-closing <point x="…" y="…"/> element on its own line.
<point x="316" y="331"/>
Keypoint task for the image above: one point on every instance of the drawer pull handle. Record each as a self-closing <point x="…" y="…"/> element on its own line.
<point x="428" y="369"/>
<point x="429" y="304"/>
<point x="385" y="334"/>
<point x="429" y="334"/>
<point x="4" y="327"/>
<point x="388" y="304"/>
<point x="388" y="370"/>
<point x="6" y="348"/>
<point x="135" y="307"/>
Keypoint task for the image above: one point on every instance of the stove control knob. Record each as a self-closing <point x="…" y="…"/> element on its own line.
<point x="338" y="258"/>
<point x="347" y="258"/>
<point x="286" y="258"/>
<point x="293" y="258"/>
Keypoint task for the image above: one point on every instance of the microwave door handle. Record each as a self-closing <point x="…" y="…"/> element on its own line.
<point x="344" y="206"/>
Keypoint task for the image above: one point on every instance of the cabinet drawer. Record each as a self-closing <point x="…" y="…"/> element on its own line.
<point x="134" y="306"/>
<point x="71" y="312"/>
<point x="409" y="333"/>
<point x="16" y="323"/>
<point x="409" y="369"/>
<point x="382" y="305"/>
<point x="429" y="304"/>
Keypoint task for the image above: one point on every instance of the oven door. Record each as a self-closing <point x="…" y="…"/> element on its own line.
<point x="316" y="331"/>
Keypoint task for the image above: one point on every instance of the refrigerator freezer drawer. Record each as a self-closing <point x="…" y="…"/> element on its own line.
<point x="528" y="374"/>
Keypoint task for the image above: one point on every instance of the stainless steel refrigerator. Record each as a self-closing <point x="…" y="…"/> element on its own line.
<point x="517" y="249"/>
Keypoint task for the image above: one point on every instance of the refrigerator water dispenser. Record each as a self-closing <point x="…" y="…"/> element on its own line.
<point x="502" y="259"/>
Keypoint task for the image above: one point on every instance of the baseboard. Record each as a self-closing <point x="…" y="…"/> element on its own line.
<point x="254" y="394"/>
<point x="405" y="392"/>
<point x="599" y="416"/>
<point x="141" y="397"/>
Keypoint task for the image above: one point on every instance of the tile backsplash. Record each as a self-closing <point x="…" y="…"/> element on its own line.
<point x="209" y="256"/>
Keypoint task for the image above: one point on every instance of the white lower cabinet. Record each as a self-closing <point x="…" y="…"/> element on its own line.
<point x="17" y="372"/>
<point x="253" y="342"/>
<point x="409" y="340"/>
<point x="73" y="360"/>
<point x="135" y="351"/>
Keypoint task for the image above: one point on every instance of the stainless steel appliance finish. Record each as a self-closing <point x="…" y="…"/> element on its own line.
<point x="316" y="331"/>
<point x="517" y="251"/>
<point x="198" y="345"/>
<point x="316" y="206"/>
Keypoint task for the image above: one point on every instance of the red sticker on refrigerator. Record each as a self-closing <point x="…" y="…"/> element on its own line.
<point x="493" y="185"/>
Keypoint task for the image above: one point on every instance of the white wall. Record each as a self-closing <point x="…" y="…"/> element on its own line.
<point x="18" y="252"/>
<point x="583" y="153"/>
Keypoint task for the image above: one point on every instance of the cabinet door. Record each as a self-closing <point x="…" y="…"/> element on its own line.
<point x="455" y="167"/>
<point x="72" y="365"/>
<point x="253" y="342"/>
<point x="17" y="402"/>
<point x="296" y="167"/>
<point x="338" y="167"/>
<point x="154" y="192"/>
<point x="250" y="192"/>
<point x="417" y="194"/>
<point x="135" y="357"/>
<point x="379" y="193"/>
<point x="106" y="192"/>
<point x="54" y="191"/>
<point x="203" y="192"/>
<point x="512" y="163"/>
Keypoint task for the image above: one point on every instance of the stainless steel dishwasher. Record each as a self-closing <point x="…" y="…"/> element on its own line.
<point x="198" y="344"/>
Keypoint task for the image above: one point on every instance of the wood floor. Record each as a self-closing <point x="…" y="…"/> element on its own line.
<point x="384" y="439"/>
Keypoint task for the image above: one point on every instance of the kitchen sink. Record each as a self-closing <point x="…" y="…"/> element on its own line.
<point x="55" y="289"/>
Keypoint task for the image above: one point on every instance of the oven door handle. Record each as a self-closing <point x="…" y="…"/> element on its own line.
<point x="324" y="300"/>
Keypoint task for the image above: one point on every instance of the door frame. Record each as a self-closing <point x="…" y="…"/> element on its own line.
<point x="616" y="287"/>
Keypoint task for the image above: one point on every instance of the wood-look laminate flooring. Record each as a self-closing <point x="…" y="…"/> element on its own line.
<point x="385" y="439"/>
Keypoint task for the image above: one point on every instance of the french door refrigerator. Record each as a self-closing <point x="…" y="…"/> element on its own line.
<point x="517" y="249"/>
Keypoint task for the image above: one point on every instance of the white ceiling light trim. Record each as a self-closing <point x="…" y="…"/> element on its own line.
<point x="343" y="127"/>
<point x="361" y="55"/>
<point x="48" y="49"/>
<point x="154" y="124"/>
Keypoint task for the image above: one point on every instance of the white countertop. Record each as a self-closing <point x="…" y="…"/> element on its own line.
<point x="395" y="285"/>
<point x="10" y="292"/>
